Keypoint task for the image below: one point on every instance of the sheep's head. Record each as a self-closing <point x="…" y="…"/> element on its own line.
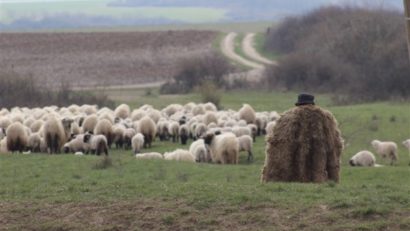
<point x="375" y="143"/>
<point x="208" y="138"/>
<point x="351" y="162"/>
<point x="67" y="123"/>
<point x="406" y="143"/>
<point x="87" y="137"/>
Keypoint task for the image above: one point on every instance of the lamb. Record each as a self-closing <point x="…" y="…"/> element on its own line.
<point x="245" y="144"/>
<point x="122" y="111"/>
<point x="247" y="113"/>
<point x="127" y="137"/>
<point x="363" y="158"/>
<point x="104" y="127"/>
<point x="163" y="132"/>
<point x="224" y="148"/>
<point x="77" y="145"/>
<point x="199" y="151"/>
<point x="173" y="128"/>
<point x="17" y="139"/>
<point x="149" y="156"/>
<point x="137" y="143"/>
<point x="386" y="149"/>
<point x="184" y="133"/>
<point x="148" y="129"/>
<point x="34" y="142"/>
<point x="179" y="155"/>
<point x="406" y="144"/>
<point x="56" y="133"/>
<point x="98" y="143"/>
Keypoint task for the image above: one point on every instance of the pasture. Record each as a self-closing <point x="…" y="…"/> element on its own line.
<point x="67" y="192"/>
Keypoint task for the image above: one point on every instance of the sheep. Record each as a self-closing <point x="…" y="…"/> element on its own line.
<point x="137" y="114"/>
<point x="17" y="138"/>
<point x="104" y="127"/>
<point x="118" y="131"/>
<point x="406" y="144"/>
<point x="149" y="155"/>
<point x="137" y="142"/>
<point x="89" y="123"/>
<point x="261" y="122"/>
<point x="148" y="129"/>
<point x="254" y="131"/>
<point x="34" y="142"/>
<point x="98" y="143"/>
<point x="224" y="148"/>
<point x="36" y="126"/>
<point x="127" y="137"/>
<point x="200" y="130"/>
<point x="3" y="145"/>
<point x="75" y="129"/>
<point x="245" y="144"/>
<point x="199" y="151"/>
<point x="5" y="123"/>
<point x="386" y="149"/>
<point x="56" y="133"/>
<point x="240" y="131"/>
<point x="210" y="117"/>
<point x="363" y="158"/>
<point x="155" y="115"/>
<point x="173" y="128"/>
<point x="270" y="128"/>
<point x="210" y="107"/>
<point x="247" y="113"/>
<point x="179" y="155"/>
<point x="77" y="144"/>
<point x="184" y="133"/>
<point x="198" y="110"/>
<point x="162" y="128"/>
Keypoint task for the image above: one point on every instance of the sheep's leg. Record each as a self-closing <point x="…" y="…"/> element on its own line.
<point x="250" y="156"/>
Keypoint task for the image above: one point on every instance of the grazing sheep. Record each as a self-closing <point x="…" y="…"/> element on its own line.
<point x="127" y="137"/>
<point x="254" y="131"/>
<point x="138" y="114"/>
<point x="184" y="133"/>
<point x="104" y="127"/>
<point x="89" y="123"/>
<point x="56" y="133"/>
<point x="210" y="117"/>
<point x="149" y="156"/>
<point x="179" y="155"/>
<point x="224" y="148"/>
<point x="270" y="128"/>
<point x="246" y="144"/>
<point x="386" y="149"/>
<point x="261" y="121"/>
<point x="155" y="115"/>
<point x="36" y="126"/>
<point x="173" y="128"/>
<point x="240" y="131"/>
<point x="305" y="147"/>
<point x="137" y="143"/>
<point x="199" y="151"/>
<point x="17" y="139"/>
<point x="200" y="130"/>
<point x="118" y="132"/>
<point x="75" y="129"/>
<point x="148" y="129"/>
<point x="3" y="145"/>
<point x="363" y="158"/>
<point x="247" y="113"/>
<point x="163" y="132"/>
<point x="122" y="111"/>
<point x="98" y="143"/>
<point x="406" y="144"/>
<point x="34" y="142"/>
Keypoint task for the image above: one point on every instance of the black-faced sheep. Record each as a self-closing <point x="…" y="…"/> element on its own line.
<point x="179" y="155"/>
<point x="199" y="151"/>
<point x="98" y="143"/>
<point x="247" y="113"/>
<point x="56" y="133"/>
<point x="77" y="144"/>
<point x="148" y="129"/>
<point x="386" y="149"/>
<point x="246" y="144"/>
<point x="184" y="133"/>
<point x="137" y="143"/>
<point x="224" y="148"/>
<point x="17" y="139"/>
<point x="363" y="158"/>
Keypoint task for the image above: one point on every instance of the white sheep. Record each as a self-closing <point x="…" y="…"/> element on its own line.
<point x="162" y="128"/>
<point x="270" y="128"/>
<point x="122" y="111"/>
<point x="210" y="117"/>
<point x="56" y="133"/>
<point x="104" y="127"/>
<point x="77" y="144"/>
<point x="406" y="144"/>
<point x="386" y="149"/>
<point x="179" y="155"/>
<point x="17" y="139"/>
<point x="173" y="128"/>
<point x="3" y="145"/>
<point x="224" y="148"/>
<point x="247" y="113"/>
<point x="34" y="142"/>
<point x="36" y="126"/>
<point x="98" y="143"/>
<point x="89" y="123"/>
<point x="148" y="129"/>
<point x="118" y="131"/>
<point x="200" y="130"/>
<point x="240" y="131"/>
<point x="149" y="156"/>
<point x="246" y="144"/>
<point x="127" y="137"/>
<point x="137" y="143"/>
<point x="184" y="133"/>
<point x="363" y="158"/>
<point x="199" y="151"/>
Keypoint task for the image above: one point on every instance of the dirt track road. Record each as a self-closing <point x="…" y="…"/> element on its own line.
<point x="249" y="49"/>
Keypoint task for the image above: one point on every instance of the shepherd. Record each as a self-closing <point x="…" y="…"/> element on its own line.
<point x="305" y="146"/>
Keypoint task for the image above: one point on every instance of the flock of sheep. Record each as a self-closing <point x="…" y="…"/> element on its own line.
<point x="219" y="136"/>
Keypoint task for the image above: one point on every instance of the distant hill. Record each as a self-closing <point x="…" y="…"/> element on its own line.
<point x="60" y="14"/>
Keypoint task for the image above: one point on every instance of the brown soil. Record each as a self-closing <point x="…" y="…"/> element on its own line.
<point x="100" y="58"/>
<point x="176" y="215"/>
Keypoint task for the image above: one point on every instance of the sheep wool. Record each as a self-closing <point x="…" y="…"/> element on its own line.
<point x="17" y="139"/>
<point x="199" y="151"/>
<point x="363" y="158"/>
<point x="137" y="143"/>
<point x="179" y="155"/>
<point x="149" y="156"/>
<point x="246" y="144"/>
<point x="224" y="148"/>
<point x="386" y="149"/>
<point x="247" y="113"/>
<point x="305" y="147"/>
<point x="148" y="129"/>
<point x="122" y="111"/>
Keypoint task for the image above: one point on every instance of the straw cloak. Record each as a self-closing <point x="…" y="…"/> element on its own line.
<point x="305" y="146"/>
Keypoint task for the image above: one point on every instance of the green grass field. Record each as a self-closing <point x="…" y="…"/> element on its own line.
<point x="67" y="192"/>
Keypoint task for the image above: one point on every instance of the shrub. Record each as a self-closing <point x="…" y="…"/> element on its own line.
<point x="210" y="93"/>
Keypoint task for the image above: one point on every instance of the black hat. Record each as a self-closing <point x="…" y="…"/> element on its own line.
<point x="304" y="99"/>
